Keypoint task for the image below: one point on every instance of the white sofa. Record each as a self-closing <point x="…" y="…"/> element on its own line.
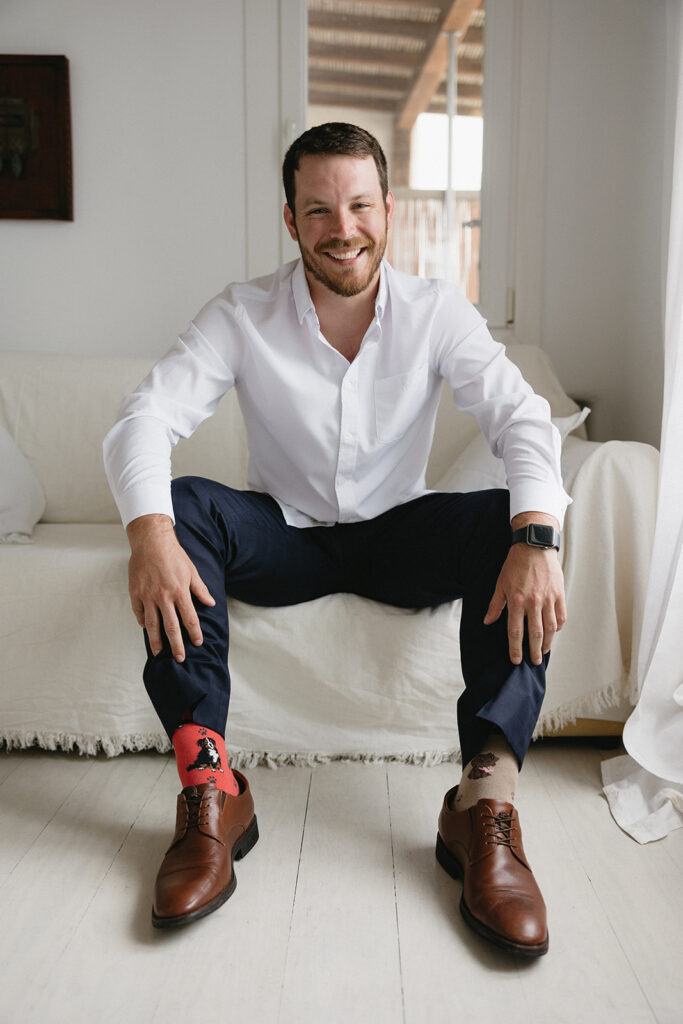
<point x="340" y="676"/>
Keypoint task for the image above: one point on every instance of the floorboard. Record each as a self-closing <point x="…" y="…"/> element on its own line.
<point x="638" y="888"/>
<point x="447" y="970"/>
<point x="343" y="957"/>
<point x="52" y="886"/>
<point x="31" y="793"/>
<point x="341" y="911"/>
<point x="234" y="958"/>
<point x="586" y="975"/>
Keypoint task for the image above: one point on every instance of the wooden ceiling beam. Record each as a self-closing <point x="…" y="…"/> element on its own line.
<point x="465" y="92"/>
<point x="362" y="55"/>
<point x="377" y="58"/>
<point x="459" y="16"/>
<point x="321" y="98"/>
<point x="475" y="36"/>
<point x="329" y="22"/>
<point x="358" y="79"/>
<point x="430" y="75"/>
<point x="389" y="4"/>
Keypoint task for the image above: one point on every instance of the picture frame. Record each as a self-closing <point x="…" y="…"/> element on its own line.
<point x="35" y="138"/>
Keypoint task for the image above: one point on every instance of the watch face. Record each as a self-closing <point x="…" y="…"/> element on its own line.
<point x="541" y="536"/>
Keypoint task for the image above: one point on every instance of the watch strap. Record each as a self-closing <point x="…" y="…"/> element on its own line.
<point x="537" y="535"/>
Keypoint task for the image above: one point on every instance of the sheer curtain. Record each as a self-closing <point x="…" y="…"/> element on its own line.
<point x="645" y="787"/>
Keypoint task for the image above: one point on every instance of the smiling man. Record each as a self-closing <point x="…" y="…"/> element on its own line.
<point x="339" y="362"/>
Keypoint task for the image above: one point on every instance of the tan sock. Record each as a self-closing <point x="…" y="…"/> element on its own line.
<point x="490" y="775"/>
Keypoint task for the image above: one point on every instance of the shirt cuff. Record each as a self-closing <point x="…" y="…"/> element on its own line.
<point x="144" y="499"/>
<point x="537" y="497"/>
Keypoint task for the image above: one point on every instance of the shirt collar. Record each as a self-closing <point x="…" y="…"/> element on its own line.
<point x="382" y="291"/>
<point x="302" y="295"/>
<point x="300" y="290"/>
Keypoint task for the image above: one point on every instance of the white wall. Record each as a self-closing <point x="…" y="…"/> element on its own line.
<point x="602" y="294"/>
<point x="157" y="96"/>
<point x="161" y="199"/>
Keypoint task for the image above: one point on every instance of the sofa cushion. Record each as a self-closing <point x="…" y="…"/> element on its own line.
<point x="478" y="469"/>
<point x="59" y="407"/>
<point x="456" y="429"/>
<point x="22" y="501"/>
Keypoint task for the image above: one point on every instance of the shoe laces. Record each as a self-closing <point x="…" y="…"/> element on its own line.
<point x="500" y="830"/>
<point x="196" y="810"/>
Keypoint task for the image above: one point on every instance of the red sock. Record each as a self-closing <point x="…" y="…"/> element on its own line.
<point x="200" y="757"/>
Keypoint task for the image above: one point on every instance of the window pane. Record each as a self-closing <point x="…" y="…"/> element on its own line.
<point x="384" y="65"/>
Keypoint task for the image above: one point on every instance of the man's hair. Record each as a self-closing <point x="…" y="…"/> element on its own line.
<point x="338" y="139"/>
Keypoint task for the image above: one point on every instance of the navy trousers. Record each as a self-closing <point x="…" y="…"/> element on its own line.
<point x="421" y="554"/>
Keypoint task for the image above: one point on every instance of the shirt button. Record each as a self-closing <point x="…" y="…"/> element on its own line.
<point x="348" y="436"/>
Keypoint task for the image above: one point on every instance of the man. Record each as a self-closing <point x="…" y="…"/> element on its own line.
<point x="339" y="362"/>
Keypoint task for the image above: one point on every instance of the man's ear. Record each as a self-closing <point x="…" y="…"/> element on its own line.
<point x="289" y="221"/>
<point x="390" y="203"/>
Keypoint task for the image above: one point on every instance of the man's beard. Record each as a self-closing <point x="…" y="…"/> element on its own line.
<point x="341" y="283"/>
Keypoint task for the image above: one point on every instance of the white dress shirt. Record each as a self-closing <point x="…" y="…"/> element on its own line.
<point x="333" y="441"/>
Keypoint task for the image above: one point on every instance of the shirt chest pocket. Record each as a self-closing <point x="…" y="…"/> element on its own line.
<point x="398" y="401"/>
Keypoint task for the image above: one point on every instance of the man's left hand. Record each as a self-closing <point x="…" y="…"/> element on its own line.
<point x="531" y="585"/>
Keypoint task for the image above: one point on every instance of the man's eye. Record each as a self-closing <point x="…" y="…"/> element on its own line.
<point x="318" y="209"/>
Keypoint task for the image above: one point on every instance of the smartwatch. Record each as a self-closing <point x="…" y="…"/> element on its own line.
<point x="537" y="536"/>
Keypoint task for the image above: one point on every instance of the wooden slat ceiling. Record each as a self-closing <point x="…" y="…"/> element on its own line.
<point x="392" y="55"/>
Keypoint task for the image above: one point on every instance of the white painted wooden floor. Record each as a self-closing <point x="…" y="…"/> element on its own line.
<point x="341" y="913"/>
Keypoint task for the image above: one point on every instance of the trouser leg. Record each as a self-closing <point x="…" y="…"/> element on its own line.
<point x="240" y="545"/>
<point x="421" y="554"/>
<point x="441" y="547"/>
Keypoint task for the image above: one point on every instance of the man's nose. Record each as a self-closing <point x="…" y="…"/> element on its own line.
<point x="343" y="223"/>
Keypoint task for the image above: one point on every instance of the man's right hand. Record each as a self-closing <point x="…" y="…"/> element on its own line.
<point x="161" y="582"/>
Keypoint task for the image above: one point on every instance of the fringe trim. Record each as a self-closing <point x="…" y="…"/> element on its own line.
<point x="245" y="759"/>
<point x="582" y="707"/>
<point x="81" y="743"/>
<point x="112" y="746"/>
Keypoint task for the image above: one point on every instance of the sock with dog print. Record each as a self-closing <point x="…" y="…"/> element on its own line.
<point x="492" y="775"/>
<point x="200" y="757"/>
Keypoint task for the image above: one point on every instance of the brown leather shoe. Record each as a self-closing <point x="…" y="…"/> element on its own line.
<point x="196" y="875"/>
<point x="500" y="898"/>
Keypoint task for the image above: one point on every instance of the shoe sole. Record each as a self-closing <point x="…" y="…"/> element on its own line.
<point x="452" y="866"/>
<point x="241" y="848"/>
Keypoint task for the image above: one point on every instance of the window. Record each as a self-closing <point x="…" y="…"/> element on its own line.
<point x="411" y="73"/>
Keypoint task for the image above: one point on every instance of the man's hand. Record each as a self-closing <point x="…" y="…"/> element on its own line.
<point x="531" y="584"/>
<point x="161" y="581"/>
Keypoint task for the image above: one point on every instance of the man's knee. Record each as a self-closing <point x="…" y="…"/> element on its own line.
<point x="495" y="504"/>
<point x="500" y="515"/>
<point x="186" y="488"/>
<point x="490" y="512"/>
<point x="189" y="495"/>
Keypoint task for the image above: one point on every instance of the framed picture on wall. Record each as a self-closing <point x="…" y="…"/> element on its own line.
<point x="35" y="138"/>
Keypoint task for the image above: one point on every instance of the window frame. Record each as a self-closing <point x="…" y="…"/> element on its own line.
<point x="513" y="178"/>
<point x="513" y="173"/>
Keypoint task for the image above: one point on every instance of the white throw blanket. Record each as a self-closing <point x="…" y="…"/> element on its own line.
<point x="606" y="559"/>
<point x="340" y="676"/>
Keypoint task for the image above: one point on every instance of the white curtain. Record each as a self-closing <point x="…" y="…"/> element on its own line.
<point x="645" y="787"/>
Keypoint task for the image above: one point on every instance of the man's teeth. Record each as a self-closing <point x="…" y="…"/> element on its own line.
<point x="344" y="254"/>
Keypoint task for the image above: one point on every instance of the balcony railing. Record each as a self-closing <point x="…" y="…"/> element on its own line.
<point x="421" y="242"/>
